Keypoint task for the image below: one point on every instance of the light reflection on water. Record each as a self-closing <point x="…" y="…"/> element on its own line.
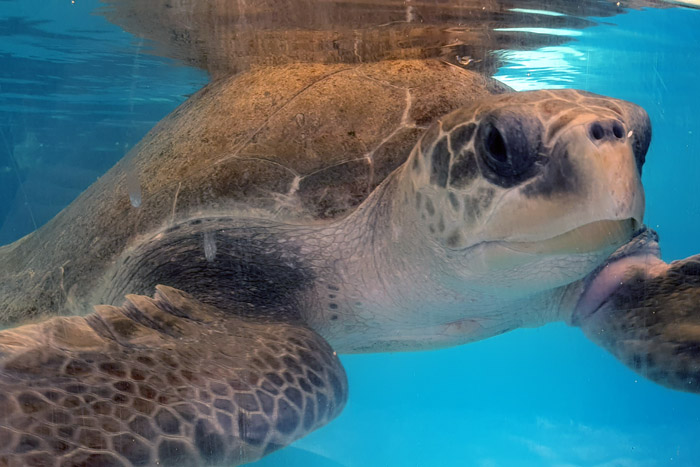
<point x="548" y="67"/>
<point x="225" y="37"/>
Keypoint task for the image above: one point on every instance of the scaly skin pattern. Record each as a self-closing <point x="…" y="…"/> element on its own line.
<point x="163" y="381"/>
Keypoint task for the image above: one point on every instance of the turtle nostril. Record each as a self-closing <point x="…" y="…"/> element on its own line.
<point x="606" y="130"/>
<point x="597" y="131"/>
<point x="618" y="131"/>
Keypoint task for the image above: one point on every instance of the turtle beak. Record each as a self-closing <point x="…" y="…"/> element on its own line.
<point x="612" y="169"/>
<point x="607" y="168"/>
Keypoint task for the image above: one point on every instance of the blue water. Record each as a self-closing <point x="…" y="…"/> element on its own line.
<point x="541" y="397"/>
<point x="76" y="92"/>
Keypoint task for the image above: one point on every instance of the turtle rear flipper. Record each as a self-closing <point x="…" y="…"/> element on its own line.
<point x="651" y="322"/>
<point x="166" y="381"/>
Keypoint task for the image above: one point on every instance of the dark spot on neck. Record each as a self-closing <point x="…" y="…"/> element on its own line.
<point x="454" y="239"/>
<point x="415" y="164"/>
<point x="429" y="206"/>
<point x="454" y="202"/>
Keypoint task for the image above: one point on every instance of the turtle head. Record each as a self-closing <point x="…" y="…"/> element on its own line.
<point x="545" y="181"/>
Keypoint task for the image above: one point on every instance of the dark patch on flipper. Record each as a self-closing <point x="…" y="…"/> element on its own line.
<point x="652" y="324"/>
<point x="183" y="383"/>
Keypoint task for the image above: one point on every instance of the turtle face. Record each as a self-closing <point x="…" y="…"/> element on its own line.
<point x="533" y="178"/>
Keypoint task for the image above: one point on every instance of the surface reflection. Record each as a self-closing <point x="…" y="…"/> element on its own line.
<point x="225" y="36"/>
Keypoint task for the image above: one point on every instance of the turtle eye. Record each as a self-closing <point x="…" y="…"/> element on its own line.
<point x="496" y="147"/>
<point x="509" y="145"/>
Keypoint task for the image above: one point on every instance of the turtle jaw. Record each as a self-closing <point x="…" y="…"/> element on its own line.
<point x="588" y="238"/>
<point x="531" y="266"/>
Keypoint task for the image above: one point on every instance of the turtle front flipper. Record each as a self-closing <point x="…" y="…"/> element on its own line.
<point x="651" y="320"/>
<point x="163" y="381"/>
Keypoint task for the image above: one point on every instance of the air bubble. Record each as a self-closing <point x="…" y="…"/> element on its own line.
<point x="133" y="187"/>
<point x="209" y="246"/>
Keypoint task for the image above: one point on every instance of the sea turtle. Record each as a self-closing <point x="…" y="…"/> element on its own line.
<point x="288" y="213"/>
